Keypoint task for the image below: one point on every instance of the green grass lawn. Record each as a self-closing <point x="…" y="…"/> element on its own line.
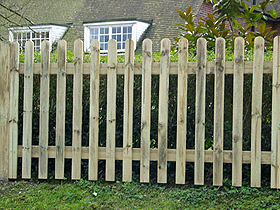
<point x="103" y="195"/>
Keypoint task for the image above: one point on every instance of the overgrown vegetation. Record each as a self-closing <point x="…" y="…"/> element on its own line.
<point x="101" y="195"/>
<point x="231" y="19"/>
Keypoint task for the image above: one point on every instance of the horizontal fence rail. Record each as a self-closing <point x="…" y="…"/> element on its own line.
<point x="12" y="148"/>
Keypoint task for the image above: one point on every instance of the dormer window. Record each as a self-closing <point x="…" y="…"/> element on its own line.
<point x="118" y="30"/>
<point x="37" y="34"/>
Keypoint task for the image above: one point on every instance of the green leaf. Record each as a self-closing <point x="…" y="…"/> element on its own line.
<point x="182" y="14"/>
<point x="272" y="13"/>
<point x="189" y="10"/>
<point x="261" y="28"/>
<point x="249" y="37"/>
<point x="252" y="9"/>
<point x="190" y="27"/>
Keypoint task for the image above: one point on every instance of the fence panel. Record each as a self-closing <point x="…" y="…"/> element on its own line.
<point x="10" y="150"/>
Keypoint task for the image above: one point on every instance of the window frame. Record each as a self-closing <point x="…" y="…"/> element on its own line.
<point x="110" y="25"/>
<point x="51" y="29"/>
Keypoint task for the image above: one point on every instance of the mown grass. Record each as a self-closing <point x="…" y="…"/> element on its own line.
<point x="103" y="195"/>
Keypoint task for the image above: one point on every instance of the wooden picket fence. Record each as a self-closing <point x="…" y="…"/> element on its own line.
<point x="9" y="101"/>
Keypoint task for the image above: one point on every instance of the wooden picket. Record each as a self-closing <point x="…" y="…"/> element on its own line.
<point x="128" y="111"/>
<point x="200" y="112"/>
<point x="14" y="94"/>
<point x="27" y="110"/>
<point x="60" y="110"/>
<point x="146" y="111"/>
<point x="163" y="111"/>
<point x="77" y="109"/>
<point x="257" y="112"/>
<point x="4" y="109"/>
<point x="111" y="110"/>
<point x="237" y="119"/>
<point x="94" y="110"/>
<point x="275" y="125"/>
<point x="9" y="83"/>
<point x="44" y="111"/>
<point x="182" y="112"/>
<point x="219" y="112"/>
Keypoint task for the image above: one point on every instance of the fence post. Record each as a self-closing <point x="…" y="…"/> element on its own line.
<point x="4" y="109"/>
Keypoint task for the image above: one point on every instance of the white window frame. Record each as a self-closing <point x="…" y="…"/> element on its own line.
<point x="51" y="29"/>
<point x="110" y="25"/>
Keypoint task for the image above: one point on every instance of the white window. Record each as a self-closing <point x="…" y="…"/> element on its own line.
<point x="120" y="31"/>
<point x="37" y="34"/>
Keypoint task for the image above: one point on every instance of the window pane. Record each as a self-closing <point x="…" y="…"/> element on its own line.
<point x="102" y="31"/>
<point x="114" y="37"/>
<point x="24" y="35"/>
<point x="102" y="38"/>
<point x="107" y="30"/>
<point x="37" y="43"/>
<point x="123" y="45"/>
<point x="119" y="29"/>
<point x="129" y="36"/>
<point x="102" y="46"/>
<point x="119" y="46"/>
<point x="106" y="46"/>
<point x="95" y="31"/>
<point x="119" y="38"/>
<point x="114" y="30"/>
<point x="124" y="37"/>
<point x="124" y="30"/>
<point x="107" y="38"/>
<point x="129" y="29"/>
